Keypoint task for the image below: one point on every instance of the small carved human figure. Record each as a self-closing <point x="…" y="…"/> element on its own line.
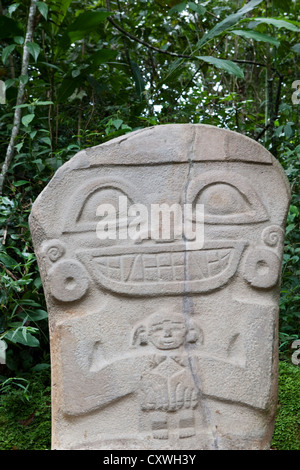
<point x="167" y="389"/>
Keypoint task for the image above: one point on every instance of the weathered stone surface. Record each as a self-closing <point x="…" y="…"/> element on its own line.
<point x="154" y="345"/>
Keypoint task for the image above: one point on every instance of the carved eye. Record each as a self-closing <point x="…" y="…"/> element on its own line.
<point x="222" y="199"/>
<point x="106" y="192"/>
<point x="106" y="197"/>
<point x="227" y="199"/>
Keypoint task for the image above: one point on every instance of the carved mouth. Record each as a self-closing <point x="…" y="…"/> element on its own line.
<point x="164" y="267"/>
<point x="153" y="270"/>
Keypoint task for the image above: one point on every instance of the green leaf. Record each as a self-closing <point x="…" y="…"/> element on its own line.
<point x="7" y="51"/>
<point x="117" y="123"/>
<point x="26" y="120"/>
<point x="12" y="8"/>
<point x="59" y="9"/>
<point x="24" y="79"/>
<point x="43" y="9"/>
<point x="43" y="103"/>
<point x="32" y="134"/>
<point x="249" y="34"/>
<point x="20" y="183"/>
<point x="36" y="315"/>
<point x="67" y="87"/>
<point x="7" y="260"/>
<point x="19" y="40"/>
<point x="22" y="336"/>
<point x="9" y="27"/>
<point x="178" y="8"/>
<point x="19" y="146"/>
<point x="278" y="23"/>
<point x="22" y="106"/>
<point x="46" y="140"/>
<point x="197" y="8"/>
<point x="223" y="64"/>
<point x="288" y="130"/>
<point x="249" y="6"/>
<point x="86" y="23"/>
<point x="102" y="56"/>
<point x="34" y="49"/>
<point x="10" y="82"/>
<point x="229" y="21"/>
<point x="139" y="81"/>
<point x="296" y="48"/>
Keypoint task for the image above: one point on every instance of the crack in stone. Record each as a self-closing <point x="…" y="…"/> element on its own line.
<point x="187" y="310"/>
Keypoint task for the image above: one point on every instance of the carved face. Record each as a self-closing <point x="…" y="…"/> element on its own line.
<point x="167" y="333"/>
<point x="240" y="226"/>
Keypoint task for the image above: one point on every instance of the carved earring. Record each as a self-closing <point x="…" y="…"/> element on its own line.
<point x="139" y="336"/>
<point x="194" y="335"/>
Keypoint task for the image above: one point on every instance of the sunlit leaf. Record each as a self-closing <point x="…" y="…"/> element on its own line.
<point x="248" y="34"/>
<point x="34" y="49"/>
<point x="223" y="64"/>
<point x="278" y="23"/>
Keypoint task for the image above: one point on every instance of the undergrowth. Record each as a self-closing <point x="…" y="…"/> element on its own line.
<point x="287" y="425"/>
<point x="25" y="413"/>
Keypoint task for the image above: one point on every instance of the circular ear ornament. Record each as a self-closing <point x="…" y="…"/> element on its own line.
<point x="262" y="268"/>
<point x="54" y="249"/>
<point x="68" y="281"/>
<point x="273" y="236"/>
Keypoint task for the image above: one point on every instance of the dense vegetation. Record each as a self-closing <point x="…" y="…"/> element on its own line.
<point x="78" y="73"/>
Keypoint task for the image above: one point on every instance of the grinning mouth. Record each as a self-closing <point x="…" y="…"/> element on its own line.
<point x="152" y="270"/>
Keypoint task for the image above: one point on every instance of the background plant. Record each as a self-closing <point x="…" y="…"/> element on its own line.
<point x="98" y="69"/>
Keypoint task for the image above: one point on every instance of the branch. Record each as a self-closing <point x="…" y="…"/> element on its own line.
<point x="20" y="97"/>
<point x="147" y="44"/>
<point x="175" y="54"/>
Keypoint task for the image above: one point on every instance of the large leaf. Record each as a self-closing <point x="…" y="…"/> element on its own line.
<point x="67" y="88"/>
<point x="278" y="23"/>
<point x="43" y="9"/>
<point x="34" y="49"/>
<point x="249" y="34"/>
<point x="296" y="48"/>
<point x="9" y="27"/>
<point x="138" y="79"/>
<point x="197" y="8"/>
<point x="35" y="315"/>
<point x="229" y="21"/>
<point x="23" y="336"/>
<point x="59" y="9"/>
<point x="224" y="64"/>
<point x="26" y="120"/>
<point x="178" y="8"/>
<point x="102" y="56"/>
<point x="85" y="24"/>
<point x="7" y="51"/>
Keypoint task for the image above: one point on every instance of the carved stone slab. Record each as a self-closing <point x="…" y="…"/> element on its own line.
<point x="158" y="343"/>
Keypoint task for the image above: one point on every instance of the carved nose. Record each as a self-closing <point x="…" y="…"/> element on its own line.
<point x="168" y="333"/>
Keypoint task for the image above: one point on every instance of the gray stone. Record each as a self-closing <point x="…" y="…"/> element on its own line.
<point x="161" y="342"/>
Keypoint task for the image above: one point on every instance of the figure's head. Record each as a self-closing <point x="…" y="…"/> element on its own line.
<point x="165" y="331"/>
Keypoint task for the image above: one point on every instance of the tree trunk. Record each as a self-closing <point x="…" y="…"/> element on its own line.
<point x="20" y="97"/>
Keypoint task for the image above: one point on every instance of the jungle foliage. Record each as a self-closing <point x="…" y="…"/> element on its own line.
<point x="78" y="73"/>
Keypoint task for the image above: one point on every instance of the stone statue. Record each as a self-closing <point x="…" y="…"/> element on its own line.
<point x="160" y="254"/>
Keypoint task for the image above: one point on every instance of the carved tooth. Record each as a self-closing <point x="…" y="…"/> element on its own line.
<point x="126" y="266"/>
<point x="137" y="272"/>
<point x="165" y="267"/>
<point x="194" y="271"/>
